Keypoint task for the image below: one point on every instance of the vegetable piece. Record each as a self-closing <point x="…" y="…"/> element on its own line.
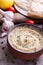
<point x="30" y="22"/>
<point x="19" y="18"/>
<point x="11" y="9"/>
<point x="7" y="26"/>
<point x="4" y="4"/>
<point x="1" y="17"/>
<point x="3" y="35"/>
<point x="8" y="15"/>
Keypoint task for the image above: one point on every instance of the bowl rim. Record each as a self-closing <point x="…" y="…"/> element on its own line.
<point x="23" y="24"/>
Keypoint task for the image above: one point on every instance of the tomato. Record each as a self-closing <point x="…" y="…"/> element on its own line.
<point x="11" y="9"/>
<point x="30" y="22"/>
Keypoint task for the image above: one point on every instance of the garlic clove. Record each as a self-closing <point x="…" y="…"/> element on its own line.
<point x="2" y="12"/>
<point x="8" y="15"/>
<point x="7" y="25"/>
<point x="3" y="35"/>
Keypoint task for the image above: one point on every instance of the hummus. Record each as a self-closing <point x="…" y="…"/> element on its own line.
<point x="25" y="39"/>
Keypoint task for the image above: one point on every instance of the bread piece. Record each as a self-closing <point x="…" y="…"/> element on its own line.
<point x="36" y="10"/>
<point x="24" y="4"/>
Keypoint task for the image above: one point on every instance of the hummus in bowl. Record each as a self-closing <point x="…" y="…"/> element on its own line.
<point x="25" y="39"/>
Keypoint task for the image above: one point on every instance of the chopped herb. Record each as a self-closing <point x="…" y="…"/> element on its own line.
<point x="35" y="49"/>
<point x="34" y="40"/>
<point x="18" y="36"/>
<point x="17" y="40"/>
<point x="39" y="38"/>
<point x="25" y="40"/>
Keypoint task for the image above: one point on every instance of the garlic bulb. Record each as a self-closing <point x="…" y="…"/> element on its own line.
<point x="8" y="15"/>
<point x="7" y="25"/>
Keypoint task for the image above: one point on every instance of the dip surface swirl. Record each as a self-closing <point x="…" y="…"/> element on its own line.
<point x="25" y="39"/>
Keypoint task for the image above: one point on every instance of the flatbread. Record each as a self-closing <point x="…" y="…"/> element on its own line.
<point x="24" y="4"/>
<point x="34" y="8"/>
